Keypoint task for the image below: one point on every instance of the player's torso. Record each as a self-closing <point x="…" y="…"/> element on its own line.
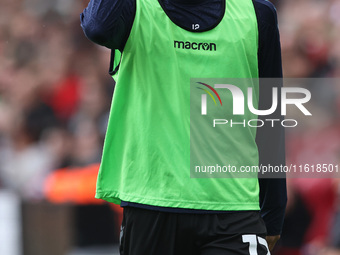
<point x="147" y="150"/>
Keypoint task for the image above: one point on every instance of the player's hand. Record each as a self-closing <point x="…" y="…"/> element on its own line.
<point x="271" y="240"/>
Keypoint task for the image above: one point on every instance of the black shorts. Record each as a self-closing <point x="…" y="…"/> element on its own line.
<point x="148" y="232"/>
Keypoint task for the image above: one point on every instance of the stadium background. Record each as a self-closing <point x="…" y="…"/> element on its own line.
<point x="55" y="96"/>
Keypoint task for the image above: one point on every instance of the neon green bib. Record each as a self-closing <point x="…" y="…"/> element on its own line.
<point x="146" y="156"/>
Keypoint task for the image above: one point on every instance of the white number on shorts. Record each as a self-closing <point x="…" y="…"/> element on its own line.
<point x="264" y="243"/>
<point x="252" y="240"/>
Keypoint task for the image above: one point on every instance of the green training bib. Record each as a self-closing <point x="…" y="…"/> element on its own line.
<point x="146" y="155"/>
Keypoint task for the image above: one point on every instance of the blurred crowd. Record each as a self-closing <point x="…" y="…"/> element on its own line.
<point x="54" y="92"/>
<point x="310" y="33"/>
<point x="55" y="95"/>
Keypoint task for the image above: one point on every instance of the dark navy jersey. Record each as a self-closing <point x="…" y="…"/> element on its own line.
<point x="109" y="22"/>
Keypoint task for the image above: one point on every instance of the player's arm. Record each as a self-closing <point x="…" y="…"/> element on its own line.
<point x="108" y="22"/>
<point x="270" y="140"/>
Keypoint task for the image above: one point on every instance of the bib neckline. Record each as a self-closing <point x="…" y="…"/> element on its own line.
<point x="192" y="30"/>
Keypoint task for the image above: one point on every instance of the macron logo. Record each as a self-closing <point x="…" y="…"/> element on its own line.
<point x="195" y="46"/>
